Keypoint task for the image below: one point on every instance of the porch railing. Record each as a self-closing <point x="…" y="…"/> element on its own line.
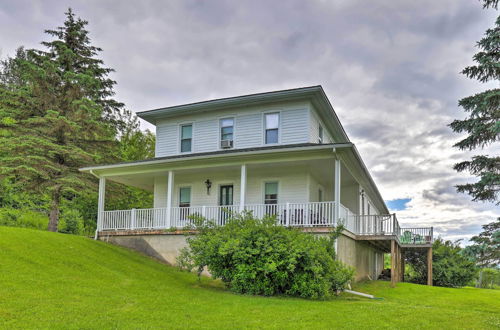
<point x="312" y="214"/>
<point x="287" y="214"/>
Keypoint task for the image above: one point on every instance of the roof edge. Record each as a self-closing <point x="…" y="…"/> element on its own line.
<point x="152" y="115"/>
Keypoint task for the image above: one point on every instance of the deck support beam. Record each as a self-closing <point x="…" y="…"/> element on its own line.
<point x="394" y="258"/>
<point x="243" y="187"/>
<point x="429" y="266"/>
<point x="100" y="204"/>
<point x="402" y="277"/>
<point x="170" y="190"/>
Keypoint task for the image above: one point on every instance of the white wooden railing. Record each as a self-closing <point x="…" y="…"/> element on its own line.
<point x="287" y="214"/>
<point x="312" y="214"/>
<point x="416" y="235"/>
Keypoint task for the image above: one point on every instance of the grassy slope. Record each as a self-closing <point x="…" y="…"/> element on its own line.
<point x="63" y="281"/>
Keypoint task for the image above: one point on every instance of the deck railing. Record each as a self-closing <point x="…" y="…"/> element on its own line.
<point x="415" y="235"/>
<point x="312" y="214"/>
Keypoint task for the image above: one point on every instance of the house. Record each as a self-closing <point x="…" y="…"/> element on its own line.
<point x="283" y="153"/>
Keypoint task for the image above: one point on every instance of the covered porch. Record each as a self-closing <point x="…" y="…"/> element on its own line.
<point x="300" y="189"/>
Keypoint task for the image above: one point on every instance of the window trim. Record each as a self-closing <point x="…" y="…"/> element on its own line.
<point x="190" y="196"/>
<point x="264" y="190"/>
<point x="321" y="134"/>
<point x="220" y="131"/>
<point x="264" y="129"/>
<point x="180" y="137"/>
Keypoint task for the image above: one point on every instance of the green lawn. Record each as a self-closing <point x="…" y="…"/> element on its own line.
<point x="50" y="280"/>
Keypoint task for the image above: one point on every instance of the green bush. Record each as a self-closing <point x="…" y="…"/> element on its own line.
<point x="71" y="222"/>
<point x="450" y="267"/>
<point x="23" y="218"/>
<point x="258" y="257"/>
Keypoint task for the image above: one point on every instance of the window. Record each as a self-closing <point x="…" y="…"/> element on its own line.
<point x="226" y="132"/>
<point x="320" y="134"/>
<point x="185" y="197"/>
<point x="369" y="206"/>
<point x="272" y="127"/>
<point x="186" y="137"/>
<point x="320" y="195"/>
<point x="271" y="193"/>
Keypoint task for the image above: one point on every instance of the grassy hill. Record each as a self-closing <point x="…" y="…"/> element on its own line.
<point x="50" y="280"/>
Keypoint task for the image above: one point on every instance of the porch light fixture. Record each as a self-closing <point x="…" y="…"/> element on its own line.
<point x="208" y="183"/>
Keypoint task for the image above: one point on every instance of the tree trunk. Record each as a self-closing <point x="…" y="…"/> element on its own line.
<point x="54" y="210"/>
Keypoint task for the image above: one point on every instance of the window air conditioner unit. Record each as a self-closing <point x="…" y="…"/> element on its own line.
<point x="226" y="144"/>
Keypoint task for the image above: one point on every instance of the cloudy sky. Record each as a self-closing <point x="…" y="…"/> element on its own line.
<point x="390" y="68"/>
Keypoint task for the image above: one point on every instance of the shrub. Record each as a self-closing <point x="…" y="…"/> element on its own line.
<point x="71" y="222"/>
<point x="256" y="256"/>
<point x="450" y="267"/>
<point x="23" y="218"/>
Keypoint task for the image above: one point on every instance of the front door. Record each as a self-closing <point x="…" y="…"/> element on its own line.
<point x="225" y="199"/>
<point x="226" y="195"/>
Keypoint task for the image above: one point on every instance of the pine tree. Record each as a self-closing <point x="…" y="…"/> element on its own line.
<point x="58" y="116"/>
<point x="483" y="122"/>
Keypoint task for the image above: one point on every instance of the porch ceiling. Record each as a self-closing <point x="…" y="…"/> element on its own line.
<point x="142" y="175"/>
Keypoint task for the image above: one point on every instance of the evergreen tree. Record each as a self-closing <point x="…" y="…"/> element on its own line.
<point x="486" y="248"/>
<point x="58" y="115"/>
<point x="483" y="122"/>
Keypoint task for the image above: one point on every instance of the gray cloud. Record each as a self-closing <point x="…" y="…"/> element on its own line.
<point x="391" y="70"/>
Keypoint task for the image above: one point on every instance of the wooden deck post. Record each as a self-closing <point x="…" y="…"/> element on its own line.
<point x="393" y="263"/>
<point x="402" y="266"/>
<point x="429" y="266"/>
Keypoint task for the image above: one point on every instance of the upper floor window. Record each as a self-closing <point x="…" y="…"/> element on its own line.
<point x="226" y="132"/>
<point x="320" y="134"/>
<point x="186" y="137"/>
<point x="272" y="127"/>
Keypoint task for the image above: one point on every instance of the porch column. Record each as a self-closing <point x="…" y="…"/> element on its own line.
<point x="336" y="192"/>
<point x="243" y="187"/>
<point x="100" y="204"/>
<point x="429" y="266"/>
<point x="170" y="189"/>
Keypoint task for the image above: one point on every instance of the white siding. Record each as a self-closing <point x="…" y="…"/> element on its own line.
<point x="248" y="129"/>
<point x="314" y="129"/>
<point x="160" y="191"/>
<point x="166" y="139"/>
<point x="294" y="126"/>
<point x="292" y="185"/>
<point x="206" y="135"/>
